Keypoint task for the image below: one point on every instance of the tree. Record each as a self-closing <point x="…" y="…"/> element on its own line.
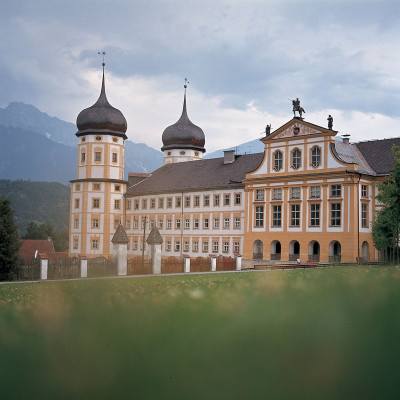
<point x="386" y="227"/>
<point x="9" y="242"/>
<point x="44" y="231"/>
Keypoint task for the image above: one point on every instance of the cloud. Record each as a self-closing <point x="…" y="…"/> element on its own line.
<point x="244" y="59"/>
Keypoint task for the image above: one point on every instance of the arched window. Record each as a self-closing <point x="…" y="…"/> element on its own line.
<point x="296" y="158"/>
<point x="278" y="160"/>
<point x="315" y="156"/>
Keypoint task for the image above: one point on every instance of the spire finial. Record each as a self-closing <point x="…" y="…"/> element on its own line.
<point x="185" y="85"/>
<point x="103" y="53"/>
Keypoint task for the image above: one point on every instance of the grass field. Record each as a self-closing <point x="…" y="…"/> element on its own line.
<point x="313" y="334"/>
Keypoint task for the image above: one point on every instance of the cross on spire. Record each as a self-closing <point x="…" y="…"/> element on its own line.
<point x="103" y="53"/>
<point x="185" y="85"/>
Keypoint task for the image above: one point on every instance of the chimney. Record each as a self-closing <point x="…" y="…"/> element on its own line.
<point x="346" y="139"/>
<point x="229" y="156"/>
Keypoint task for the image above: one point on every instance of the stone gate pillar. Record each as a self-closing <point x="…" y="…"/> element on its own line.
<point x="120" y="249"/>
<point x="154" y="240"/>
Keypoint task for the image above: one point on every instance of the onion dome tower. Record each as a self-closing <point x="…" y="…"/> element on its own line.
<point x="183" y="141"/>
<point x="97" y="193"/>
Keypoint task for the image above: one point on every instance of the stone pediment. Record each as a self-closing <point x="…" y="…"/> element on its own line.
<point x="296" y="128"/>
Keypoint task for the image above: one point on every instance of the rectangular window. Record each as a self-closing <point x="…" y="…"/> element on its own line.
<point x="187" y="223"/>
<point x="128" y="204"/>
<point x="153" y="223"/>
<point x="76" y="243"/>
<point x="97" y="156"/>
<point x="117" y="204"/>
<point x="295" y="193"/>
<point x="136" y="204"/>
<point x="216" y="223"/>
<point x="315" y="192"/>
<point x="95" y="223"/>
<point x="76" y="223"/>
<point x="144" y="204"/>
<point x="128" y="224"/>
<point x="96" y="203"/>
<point x="169" y="224"/>
<point x="237" y="223"/>
<point x="114" y="157"/>
<point x="152" y="203"/>
<point x="226" y="247"/>
<point x="227" y="199"/>
<point x="135" y="245"/>
<point x="178" y="202"/>
<point x="236" y="247"/>
<point x="76" y="203"/>
<point x="276" y="216"/>
<point x="206" y="223"/>
<point x="364" y="215"/>
<point x="83" y="157"/>
<point x="277" y="194"/>
<point x="135" y="223"/>
<point x="116" y="223"/>
<point x="161" y="202"/>
<point x="196" y="201"/>
<point x="195" y="246"/>
<point x="364" y="191"/>
<point x="295" y="215"/>
<point x="260" y="194"/>
<point x="238" y="198"/>
<point x="169" y="202"/>
<point x="205" y="247"/>
<point x="206" y="201"/>
<point x="336" y="190"/>
<point x="336" y="214"/>
<point x="216" y="200"/>
<point x="186" y="246"/>
<point x="226" y="223"/>
<point x="168" y="245"/>
<point x="160" y="224"/>
<point x="259" y="216"/>
<point x="215" y="247"/>
<point x="177" y="246"/>
<point x="315" y="214"/>
<point x="196" y="223"/>
<point x="177" y="223"/>
<point x="77" y="187"/>
<point x="187" y="201"/>
<point x="117" y="188"/>
<point x="96" y="186"/>
<point x="95" y="244"/>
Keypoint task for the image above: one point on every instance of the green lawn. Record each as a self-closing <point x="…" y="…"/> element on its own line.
<point x="313" y="334"/>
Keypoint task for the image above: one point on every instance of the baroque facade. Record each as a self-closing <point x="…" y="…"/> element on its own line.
<point x="310" y="196"/>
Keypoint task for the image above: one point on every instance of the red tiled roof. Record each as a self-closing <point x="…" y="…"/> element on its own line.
<point x="29" y="247"/>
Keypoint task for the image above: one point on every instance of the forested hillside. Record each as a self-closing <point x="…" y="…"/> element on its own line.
<point x="42" y="202"/>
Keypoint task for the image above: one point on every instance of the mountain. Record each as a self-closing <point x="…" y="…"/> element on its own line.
<point x="42" y="202"/>
<point x="35" y="146"/>
<point x="28" y="155"/>
<point x="29" y="118"/>
<point x="254" y="146"/>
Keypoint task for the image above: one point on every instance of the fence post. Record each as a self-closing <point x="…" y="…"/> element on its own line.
<point x="213" y="258"/>
<point x="44" y="264"/>
<point x="238" y="258"/>
<point x="154" y="240"/>
<point x="83" y="260"/>
<point x="120" y="249"/>
<point x="186" y="265"/>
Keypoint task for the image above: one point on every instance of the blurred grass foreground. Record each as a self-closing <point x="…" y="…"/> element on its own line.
<point x="313" y="334"/>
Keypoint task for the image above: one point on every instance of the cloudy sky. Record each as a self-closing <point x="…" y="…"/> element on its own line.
<point x="243" y="59"/>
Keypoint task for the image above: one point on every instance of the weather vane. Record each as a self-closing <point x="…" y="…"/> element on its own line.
<point x="103" y="53"/>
